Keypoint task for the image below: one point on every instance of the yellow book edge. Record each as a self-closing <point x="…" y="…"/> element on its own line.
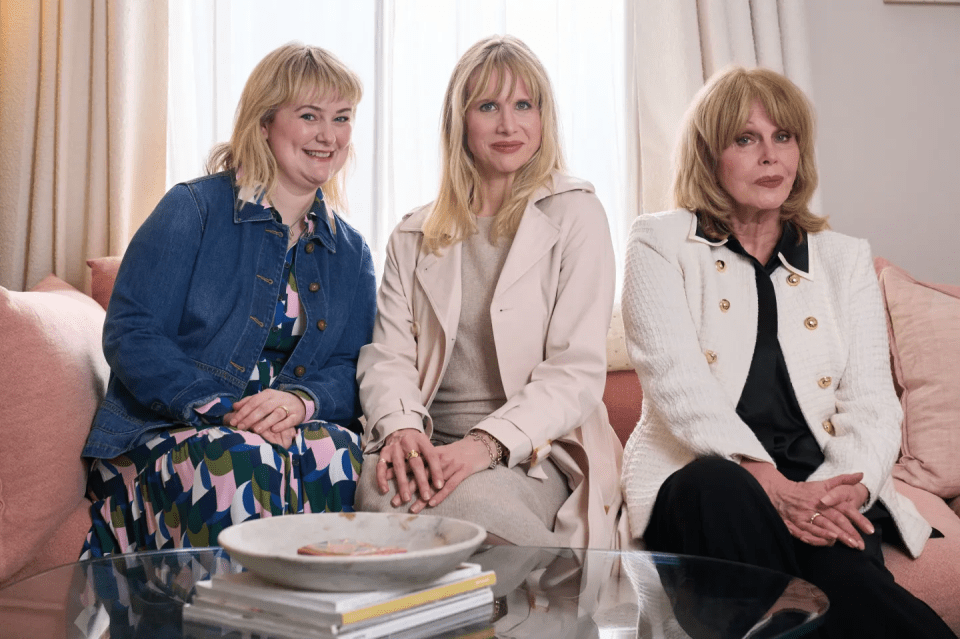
<point x="419" y="598"/>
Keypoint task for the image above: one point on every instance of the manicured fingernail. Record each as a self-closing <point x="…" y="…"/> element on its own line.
<point x="438" y="484"/>
<point x="406" y="497"/>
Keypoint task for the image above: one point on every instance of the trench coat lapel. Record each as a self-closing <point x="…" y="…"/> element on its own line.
<point x="535" y="237"/>
<point x="439" y="276"/>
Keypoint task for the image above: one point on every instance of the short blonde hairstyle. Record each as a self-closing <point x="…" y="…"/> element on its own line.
<point x="284" y="75"/>
<point x="714" y="120"/>
<point x="451" y="219"/>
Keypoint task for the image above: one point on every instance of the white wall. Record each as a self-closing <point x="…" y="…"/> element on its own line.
<point x="886" y="85"/>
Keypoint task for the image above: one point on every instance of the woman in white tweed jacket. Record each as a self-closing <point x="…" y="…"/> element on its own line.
<point x="770" y="423"/>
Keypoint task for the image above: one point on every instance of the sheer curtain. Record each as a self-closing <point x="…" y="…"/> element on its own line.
<point x="404" y="50"/>
<point x="624" y="72"/>
<point x="214" y="46"/>
<point x="677" y="45"/>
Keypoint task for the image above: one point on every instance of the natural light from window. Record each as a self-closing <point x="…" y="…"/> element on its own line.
<point x="404" y="52"/>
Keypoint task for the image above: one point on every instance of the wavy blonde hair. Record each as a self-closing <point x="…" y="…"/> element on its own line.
<point x="451" y="219"/>
<point x="284" y="75"/>
<point x="717" y="116"/>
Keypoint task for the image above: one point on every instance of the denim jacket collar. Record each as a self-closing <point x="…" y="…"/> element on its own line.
<point x="252" y="208"/>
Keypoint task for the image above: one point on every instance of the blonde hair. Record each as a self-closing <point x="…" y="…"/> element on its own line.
<point x="284" y="75"/>
<point x="714" y="120"/>
<point x="451" y="219"/>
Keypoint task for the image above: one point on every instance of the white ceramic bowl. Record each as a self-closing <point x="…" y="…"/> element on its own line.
<point x="435" y="545"/>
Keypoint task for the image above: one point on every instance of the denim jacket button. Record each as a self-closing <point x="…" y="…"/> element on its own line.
<point x="308" y="248"/>
<point x="300" y="371"/>
<point x="314" y="287"/>
<point x="322" y="325"/>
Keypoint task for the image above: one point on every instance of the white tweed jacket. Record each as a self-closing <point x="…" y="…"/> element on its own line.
<point x="690" y="316"/>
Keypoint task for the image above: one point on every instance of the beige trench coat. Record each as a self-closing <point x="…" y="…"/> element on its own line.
<point x="550" y="313"/>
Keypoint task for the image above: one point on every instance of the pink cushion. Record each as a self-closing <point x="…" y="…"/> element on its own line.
<point x="52" y="378"/>
<point x="924" y="325"/>
<point x="934" y="576"/>
<point x="103" y="273"/>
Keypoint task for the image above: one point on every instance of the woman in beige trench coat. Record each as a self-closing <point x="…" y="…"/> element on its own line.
<point x="482" y="387"/>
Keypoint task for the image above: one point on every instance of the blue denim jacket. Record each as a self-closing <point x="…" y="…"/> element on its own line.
<point x="194" y="302"/>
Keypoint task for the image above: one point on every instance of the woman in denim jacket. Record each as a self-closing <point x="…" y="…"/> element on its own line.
<point x="234" y="328"/>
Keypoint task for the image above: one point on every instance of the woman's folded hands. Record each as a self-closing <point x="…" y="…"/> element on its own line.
<point x="425" y="473"/>
<point x="272" y="414"/>
<point x="817" y="512"/>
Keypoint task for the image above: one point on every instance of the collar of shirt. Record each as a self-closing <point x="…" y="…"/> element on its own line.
<point x="252" y="207"/>
<point x="793" y="255"/>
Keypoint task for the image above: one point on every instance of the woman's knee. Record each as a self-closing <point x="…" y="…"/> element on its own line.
<point x="711" y="475"/>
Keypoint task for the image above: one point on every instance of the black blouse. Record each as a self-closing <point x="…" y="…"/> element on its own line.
<point x="768" y="404"/>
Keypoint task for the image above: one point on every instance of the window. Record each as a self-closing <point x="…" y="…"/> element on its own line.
<point x="405" y="50"/>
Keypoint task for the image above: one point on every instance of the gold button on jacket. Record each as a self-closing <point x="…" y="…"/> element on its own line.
<point x="825" y="381"/>
<point x="711" y="356"/>
<point x="810" y="322"/>
<point x="724" y="305"/>
<point x="314" y="287"/>
<point x="828" y="426"/>
<point x="721" y="266"/>
<point x="793" y="279"/>
<point x="322" y="325"/>
<point x="300" y="371"/>
<point x="308" y="248"/>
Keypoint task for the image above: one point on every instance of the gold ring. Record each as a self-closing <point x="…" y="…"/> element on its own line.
<point x="412" y="454"/>
<point x="815" y="515"/>
<point x="285" y="411"/>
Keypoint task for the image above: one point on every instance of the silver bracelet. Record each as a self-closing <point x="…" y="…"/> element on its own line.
<point x="494" y="456"/>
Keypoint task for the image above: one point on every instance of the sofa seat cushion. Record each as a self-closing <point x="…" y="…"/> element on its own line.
<point x="623" y="398"/>
<point x="933" y="576"/>
<point x="52" y="378"/>
<point x="924" y="326"/>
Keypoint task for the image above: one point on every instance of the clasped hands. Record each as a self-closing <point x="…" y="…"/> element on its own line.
<point x="272" y="414"/>
<point x="819" y="513"/>
<point x="425" y="473"/>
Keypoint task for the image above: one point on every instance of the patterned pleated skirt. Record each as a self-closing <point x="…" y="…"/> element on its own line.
<point x="186" y="484"/>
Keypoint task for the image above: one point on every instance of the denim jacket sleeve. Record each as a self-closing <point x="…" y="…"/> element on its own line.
<point x="145" y="312"/>
<point x="332" y="384"/>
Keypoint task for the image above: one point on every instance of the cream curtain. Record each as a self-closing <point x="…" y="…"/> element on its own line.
<point x="83" y="96"/>
<point x="675" y="46"/>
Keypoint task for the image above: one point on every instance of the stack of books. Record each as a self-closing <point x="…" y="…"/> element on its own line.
<point x="461" y="599"/>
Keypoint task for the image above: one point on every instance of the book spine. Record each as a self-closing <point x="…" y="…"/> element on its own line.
<point x="419" y="598"/>
<point x="478" y="606"/>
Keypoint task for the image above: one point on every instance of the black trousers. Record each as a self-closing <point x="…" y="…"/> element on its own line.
<point x="714" y="508"/>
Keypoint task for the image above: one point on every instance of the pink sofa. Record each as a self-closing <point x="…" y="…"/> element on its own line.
<point x="51" y="336"/>
<point x="924" y="326"/>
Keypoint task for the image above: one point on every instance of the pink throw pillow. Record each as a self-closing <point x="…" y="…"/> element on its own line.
<point x="51" y="381"/>
<point x="103" y="273"/>
<point x="924" y="324"/>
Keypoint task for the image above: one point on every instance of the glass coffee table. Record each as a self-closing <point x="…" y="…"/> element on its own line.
<point x="540" y="592"/>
